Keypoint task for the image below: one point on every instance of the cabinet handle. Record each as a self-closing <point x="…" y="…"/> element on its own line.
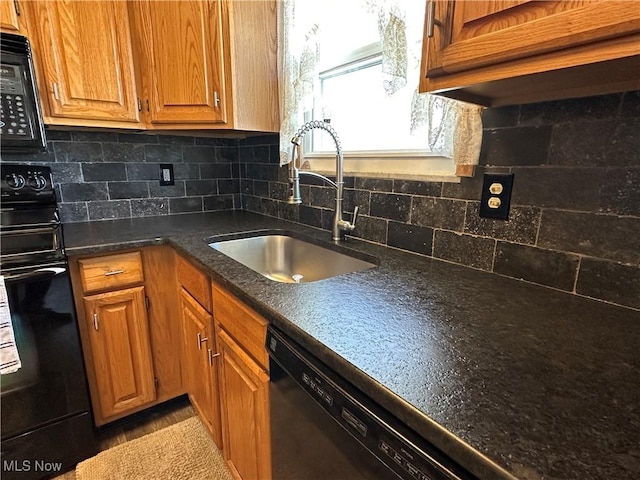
<point x="201" y="341"/>
<point x="56" y="93"/>
<point x="431" y="18"/>
<point x="212" y="356"/>
<point x="216" y="99"/>
<point x="95" y="322"/>
<point x="16" y="7"/>
<point x="113" y="272"/>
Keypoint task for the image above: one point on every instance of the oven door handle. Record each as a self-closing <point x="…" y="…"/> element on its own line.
<point x="40" y="272"/>
<point x="29" y="231"/>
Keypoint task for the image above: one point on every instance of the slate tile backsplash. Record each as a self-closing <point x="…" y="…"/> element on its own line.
<point x="103" y="175"/>
<point x="575" y="214"/>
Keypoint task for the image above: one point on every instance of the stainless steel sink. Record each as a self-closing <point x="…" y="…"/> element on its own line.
<point x="287" y="259"/>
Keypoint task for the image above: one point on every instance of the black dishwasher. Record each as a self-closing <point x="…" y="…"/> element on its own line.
<point x="324" y="428"/>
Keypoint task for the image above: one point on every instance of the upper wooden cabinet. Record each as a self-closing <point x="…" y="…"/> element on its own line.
<point x="181" y="61"/>
<point x="155" y="65"/>
<point x="253" y="82"/>
<point x="207" y="64"/>
<point x="84" y="50"/>
<point x="10" y="17"/>
<point x="518" y="51"/>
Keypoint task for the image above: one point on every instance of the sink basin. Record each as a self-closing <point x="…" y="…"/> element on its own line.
<point x="287" y="259"/>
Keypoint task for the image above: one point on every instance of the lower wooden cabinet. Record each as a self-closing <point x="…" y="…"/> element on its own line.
<point x="200" y="363"/>
<point x="244" y="386"/>
<point x="226" y="370"/>
<point x="244" y="390"/>
<point x="153" y="327"/>
<point x="119" y="336"/>
<point x="128" y="317"/>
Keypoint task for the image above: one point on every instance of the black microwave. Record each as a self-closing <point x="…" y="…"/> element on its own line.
<point x="21" y="126"/>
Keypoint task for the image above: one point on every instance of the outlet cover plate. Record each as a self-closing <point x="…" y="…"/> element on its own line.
<point x="495" y="200"/>
<point x="166" y="174"/>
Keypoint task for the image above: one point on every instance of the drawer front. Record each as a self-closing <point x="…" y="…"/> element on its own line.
<point x="244" y="325"/>
<point x="194" y="281"/>
<point x="102" y="273"/>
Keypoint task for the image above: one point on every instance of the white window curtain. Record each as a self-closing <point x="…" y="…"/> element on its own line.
<point x="453" y="129"/>
<point x="298" y="54"/>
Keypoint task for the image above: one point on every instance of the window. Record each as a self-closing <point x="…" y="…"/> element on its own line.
<point x="357" y="63"/>
<point x="374" y="127"/>
<point x="353" y="97"/>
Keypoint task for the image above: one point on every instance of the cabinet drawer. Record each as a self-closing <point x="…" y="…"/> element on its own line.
<point x="243" y="324"/>
<point x="101" y="273"/>
<point x="194" y="281"/>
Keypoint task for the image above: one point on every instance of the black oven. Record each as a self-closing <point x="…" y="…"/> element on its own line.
<point x="35" y="242"/>
<point x="21" y="126"/>
<point x="47" y="425"/>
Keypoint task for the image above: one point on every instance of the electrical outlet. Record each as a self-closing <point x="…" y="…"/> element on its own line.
<point x="496" y="196"/>
<point x="166" y="174"/>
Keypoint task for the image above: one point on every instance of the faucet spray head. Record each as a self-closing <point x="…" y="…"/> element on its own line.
<point x="294" y="197"/>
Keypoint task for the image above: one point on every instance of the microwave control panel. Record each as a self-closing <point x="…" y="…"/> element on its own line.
<point x="14" y="117"/>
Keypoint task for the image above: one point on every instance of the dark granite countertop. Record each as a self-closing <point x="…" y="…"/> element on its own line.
<point x="508" y="378"/>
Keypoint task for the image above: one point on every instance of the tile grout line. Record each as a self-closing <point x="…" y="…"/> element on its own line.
<point x="575" y="280"/>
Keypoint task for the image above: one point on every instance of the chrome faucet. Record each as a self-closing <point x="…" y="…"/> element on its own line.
<point x="340" y="226"/>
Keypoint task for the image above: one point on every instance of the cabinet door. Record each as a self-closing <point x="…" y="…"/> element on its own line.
<point x="165" y="329"/>
<point x="85" y="51"/>
<point x="182" y="68"/>
<point x="244" y="388"/>
<point x="119" y="337"/>
<point x="475" y="34"/>
<point x="9" y="16"/>
<point x="200" y="364"/>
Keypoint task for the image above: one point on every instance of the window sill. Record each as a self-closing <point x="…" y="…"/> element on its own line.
<point x="418" y="166"/>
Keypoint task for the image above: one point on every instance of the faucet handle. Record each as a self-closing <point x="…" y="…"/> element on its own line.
<point x="355" y="215"/>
